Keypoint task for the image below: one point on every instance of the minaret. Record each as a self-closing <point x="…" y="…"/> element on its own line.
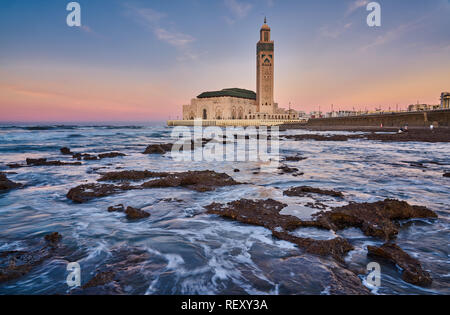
<point x="265" y="71"/>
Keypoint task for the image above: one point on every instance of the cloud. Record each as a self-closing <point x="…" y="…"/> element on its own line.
<point x="355" y="5"/>
<point x="239" y="9"/>
<point x="154" y="21"/>
<point x="173" y="38"/>
<point x="393" y="34"/>
<point x="334" y="31"/>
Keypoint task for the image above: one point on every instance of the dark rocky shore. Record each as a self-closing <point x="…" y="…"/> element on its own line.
<point x="6" y="184"/>
<point x="200" y="181"/>
<point x="413" y="135"/>
<point x="16" y="264"/>
<point x="379" y="219"/>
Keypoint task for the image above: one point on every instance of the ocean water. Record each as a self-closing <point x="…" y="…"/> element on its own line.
<point x="190" y="252"/>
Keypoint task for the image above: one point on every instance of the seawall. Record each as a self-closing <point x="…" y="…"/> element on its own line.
<point x="439" y="118"/>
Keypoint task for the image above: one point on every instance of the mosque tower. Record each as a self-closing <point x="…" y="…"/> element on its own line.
<point x="265" y="71"/>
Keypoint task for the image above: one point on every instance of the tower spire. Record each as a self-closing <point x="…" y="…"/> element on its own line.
<point x="265" y="20"/>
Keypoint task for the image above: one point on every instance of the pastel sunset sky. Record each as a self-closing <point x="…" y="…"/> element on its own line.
<point x="142" y="60"/>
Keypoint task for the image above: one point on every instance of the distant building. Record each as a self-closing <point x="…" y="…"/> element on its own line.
<point x="232" y="104"/>
<point x="422" y="107"/>
<point x="445" y="100"/>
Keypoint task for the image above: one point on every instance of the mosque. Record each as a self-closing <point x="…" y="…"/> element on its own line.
<point x="241" y="104"/>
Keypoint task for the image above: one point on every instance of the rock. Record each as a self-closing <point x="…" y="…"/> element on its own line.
<point x="376" y="219"/>
<point x="256" y="212"/>
<point x="158" y="148"/>
<point x="15" y="165"/>
<point x="117" y="208"/>
<point x="66" y="151"/>
<point x="413" y="135"/>
<point x="16" y="264"/>
<point x="53" y="239"/>
<point x="127" y="270"/>
<point x="6" y="184"/>
<point x="337" y="247"/>
<point x="412" y="269"/>
<point x="100" y="279"/>
<point x="84" y="193"/>
<point x="316" y="205"/>
<point x="266" y="213"/>
<point x="446" y="175"/>
<point x="111" y="155"/>
<point x="290" y="170"/>
<point x="419" y="135"/>
<point x="200" y="181"/>
<point x="136" y="214"/>
<point x="45" y="162"/>
<point x="236" y="170"/>
<point x="316" y="137"/>
<point x="304" y="190"/>
<point x="90" y="157"/>
<point x="296" y="158"/>
<point x="130" y="176"/>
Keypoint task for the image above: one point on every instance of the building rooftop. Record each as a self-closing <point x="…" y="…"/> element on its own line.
<point x="234" y="92"/>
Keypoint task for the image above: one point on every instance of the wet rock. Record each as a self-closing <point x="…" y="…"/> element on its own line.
<point x="257" y="212"/>
<point x="136" y="214"/>
<point x="305" y="190"/>
<point x="162" y="148"/>
<point x="6" y="184"/>
<point x="376" y="219"/>
<point x="316" y="205"/>
<point x="15" y="165"/>
<point x="290" y="170"/>
<point x="296" y="158"/>
<point x="266" y="213"/>
<point x="100" y="279"/>
<point x="53" y="239"/>
<point x="412" y="269"/>
<point x="158" y="148"/>
<point x="86" y="192"/>
<point x="130" y="176"/>
<point x="110" y="155"/>
<point x="45" y="162"/>
<point x="66" y="151"/>
<point x="446" y="175"/>
<point x="200" y="181"/>
<point x="413" y="135"/>
<point x="16" y="264"/>
<point x="316" y="137"/>
<point x="127" y="270"/>
<point x="346" y="282"/>
<point x="117" y="208"/>
<point x="337" y="247"/>
<point x="307" y="274"/>
<point x="90" y="157"/>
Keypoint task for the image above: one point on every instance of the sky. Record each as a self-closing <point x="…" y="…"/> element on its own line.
<point x="137" y="60"/>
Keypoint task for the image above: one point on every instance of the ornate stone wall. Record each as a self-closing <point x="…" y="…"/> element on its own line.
<point x="219" y="108"/>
